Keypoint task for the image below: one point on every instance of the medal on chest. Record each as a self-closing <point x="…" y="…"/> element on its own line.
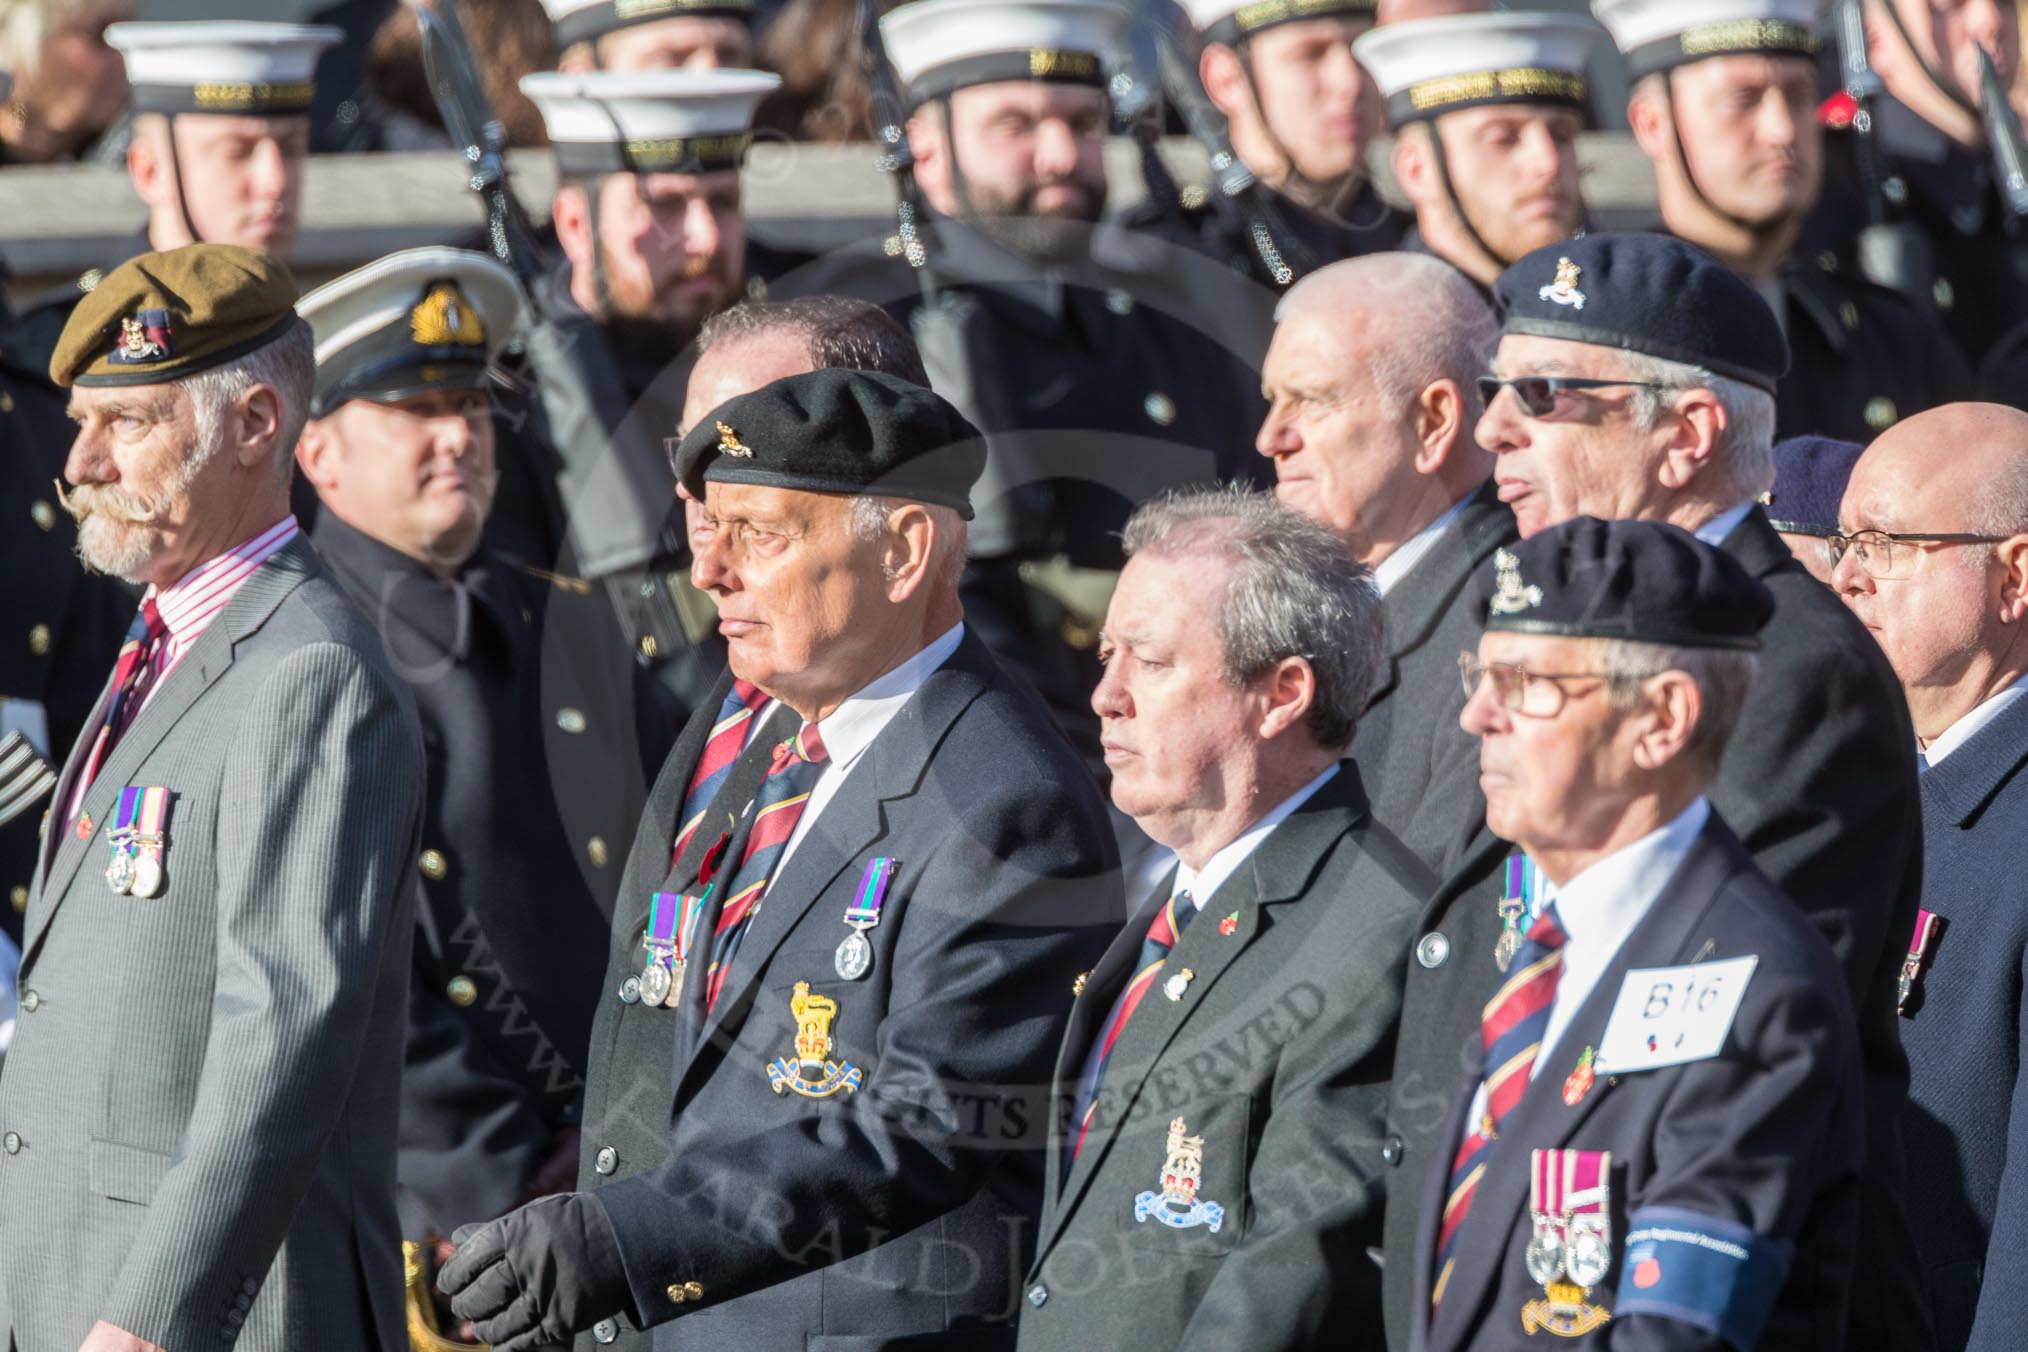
<point x="1928" y="928"/>
<point x="1513" y="908"/>
<point x="1570" y="1245"/>
<point x="854" y="958"/>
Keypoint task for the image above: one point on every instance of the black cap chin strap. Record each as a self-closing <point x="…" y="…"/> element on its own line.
<point x="1443" y="168"/>
<point x="176" y="171"/>
<point x="1758" y="229"/>
<point x="961" y="190"/>
<point x="1332" y="201"/>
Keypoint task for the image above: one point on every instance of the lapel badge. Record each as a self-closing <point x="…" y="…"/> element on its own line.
<point x="1563" y="291"/>
<point x="1177" y="1204"/>
<point x="811" y="1074"/>
<point x="1928" y="926"/>
<point x="144" y="337"/>
<point x="1510" y="595"/>
<point x="84" y="826"/>
<point x="1077" y="986"/>
<point x="1570" y="1250"/>
<point x="1176" y="985"/>
<point x="1228" y="926"/>
<point x="1580" y="1081"/>
<point x="730" y="444"/>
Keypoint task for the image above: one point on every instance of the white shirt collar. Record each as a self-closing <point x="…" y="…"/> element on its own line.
<point x="853" y="725"/>
<point x="1202" y="884"/>
<point x="1962" y="731"/>
<point x="1395" y="566"/>
<point x="1714" y="531"/>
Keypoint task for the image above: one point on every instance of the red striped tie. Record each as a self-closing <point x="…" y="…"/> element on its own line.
<point x="721" y="749"/>
<point x="129" y="680"/>
<point x="1510" y="1029"/>
<point x="1163" y="932"/>
<point x="776" y="810"/>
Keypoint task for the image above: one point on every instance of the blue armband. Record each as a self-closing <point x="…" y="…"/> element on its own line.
<point x="1714" y="1274"/>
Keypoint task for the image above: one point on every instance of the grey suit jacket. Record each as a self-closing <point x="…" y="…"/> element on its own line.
<point x="199" y="1113"/>
<point x="1276" y="1054"/>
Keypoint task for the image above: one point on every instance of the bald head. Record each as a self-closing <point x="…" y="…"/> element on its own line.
<point x="1951" y="614"/>
<point x="1370" y="381"/>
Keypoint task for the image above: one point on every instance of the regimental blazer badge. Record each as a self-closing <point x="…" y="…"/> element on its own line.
<point x="811" y="1074"/>
<point x="1177" y="1205"/>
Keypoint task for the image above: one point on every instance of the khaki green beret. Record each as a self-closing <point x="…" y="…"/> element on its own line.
<point x="163" y="316"/>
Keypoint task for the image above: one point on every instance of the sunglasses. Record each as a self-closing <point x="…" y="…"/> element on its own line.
<point x="1538" y="393"/>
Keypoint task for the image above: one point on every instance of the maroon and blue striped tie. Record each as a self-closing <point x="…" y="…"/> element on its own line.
<point x="144" y="635"/>
<point x="1163" y="932"/>
<point x="776" y="810"/>
<point x="741" y="706"/>
<point x="1510" y="1029"/>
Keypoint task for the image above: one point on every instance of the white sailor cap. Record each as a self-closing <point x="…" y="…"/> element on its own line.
<point x="1662" y="34"/>
<point x="650" y="121"/>
<point x="941" y="45"/>
<point x="267" y="69"/>
<point x="578" y="21"/>
<point x="1233" y="21"/>
<point x="1425" y="67"/>
<point x="418" y="320"/>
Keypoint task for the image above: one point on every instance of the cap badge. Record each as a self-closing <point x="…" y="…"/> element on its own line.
<point x="1177" y="1204"/>
<point x="1564" y="289"/>
<point x="1510" y="596"/>
<point x="444" y="318"/>
<point x="729" y="442"/>
<point x="143" y="338"/>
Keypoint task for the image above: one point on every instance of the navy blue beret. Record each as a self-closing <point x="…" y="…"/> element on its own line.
<point x="838" y="431"/>
<point x="1810" y="478"/>
<point x="1645" y="293"/>
<point x="1640" y="581"/>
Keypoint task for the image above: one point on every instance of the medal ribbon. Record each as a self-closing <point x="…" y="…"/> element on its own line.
<point x="686" y="927"/>
<point x="154" y="812"/>
<point x="1925" y="934"/>
<point x="125" y="815"/>
<point x="660" y="935"/>
<point x="865" y="912"/>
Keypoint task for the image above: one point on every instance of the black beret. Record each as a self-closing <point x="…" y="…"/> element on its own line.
<point x="1810" y="478"/>
<point x="838" y="431"/>
<point x="1640" y="581"/>
<point x="1645" y="293"/>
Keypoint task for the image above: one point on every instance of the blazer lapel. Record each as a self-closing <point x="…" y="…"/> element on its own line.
<point x="1419" y="602"/>
<point x="1959" y="786"/>
<point x="207" y="660"/>
<point x="1275" y="874"/>
<point x="66" y="785"/>
<point x="1756" y="545"/>
<point x="1542" y="1120"/>
<point x="851" y="822"/>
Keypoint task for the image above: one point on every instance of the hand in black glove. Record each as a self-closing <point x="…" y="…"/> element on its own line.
<point x="538" y="1275"/>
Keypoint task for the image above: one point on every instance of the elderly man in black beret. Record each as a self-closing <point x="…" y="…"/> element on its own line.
<point x="846" y="936"/>
<point x="1634" y="380"/>
<point x="1658" y="1131"/>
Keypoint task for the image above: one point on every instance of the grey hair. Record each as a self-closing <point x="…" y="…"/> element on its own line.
<point x="1437" y="326"/>
<point x="837" y="331"/>
<point x="867" y="519"/>
<point x="1745" y="448"/>
<point x="288" y="365"/>
<point x="1291" y="590"/>
<point x="1723" y="677"/>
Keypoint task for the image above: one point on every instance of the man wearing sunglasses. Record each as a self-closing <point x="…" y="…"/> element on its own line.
<point x="1658" y="1127"/>
<point x="1635" y="380"/>
<point x="1933" y="558"/>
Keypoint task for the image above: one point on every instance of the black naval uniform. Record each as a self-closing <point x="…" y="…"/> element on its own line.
<point x="62" y="626"/>
<point x="31" y="335"/>
<point x="511" y="934"/>
<point x="1977" y="249"/>
<point x="1309" y="240"/>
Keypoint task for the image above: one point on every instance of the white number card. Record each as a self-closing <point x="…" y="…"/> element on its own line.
<point x="1668" y="1016"/>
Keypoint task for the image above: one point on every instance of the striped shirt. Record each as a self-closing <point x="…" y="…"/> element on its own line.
<point x="202" y="594"/>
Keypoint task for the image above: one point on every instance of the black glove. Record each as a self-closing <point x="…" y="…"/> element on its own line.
<point x="538" y="1275"/>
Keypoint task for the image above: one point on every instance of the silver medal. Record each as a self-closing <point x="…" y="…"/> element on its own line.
<point x="1589" y="1254"/>
<point x="1509" y="945"/>
<point x="120" y="873"/>
<point x="655" y="983"/>
<point x="147" y="876"/>
<point x="1545" y="1252"/>
<point x="854" y="958"/>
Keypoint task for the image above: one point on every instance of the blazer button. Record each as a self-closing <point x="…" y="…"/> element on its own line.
<point x="433" y="865"/>
<point x="38" y="639"/>
<point x="596" y="851"/>
<point x="1432" y="950"/>
<point x="630" y="991"/>
<point x="694" y="1290"/>
<point x="605" y="1331"/>
<point x="1038" y="1295"/>
<point x="18" y="899"/>
<point x="1391" y="1149"/>
<point x="570" y="720"/>
<point x="463" y="991"/>
<point x="608" y="1159"/>
<point x="30" y="1001"/>
<point x="11" y="1142"/>
<point x="676" y="1293"/>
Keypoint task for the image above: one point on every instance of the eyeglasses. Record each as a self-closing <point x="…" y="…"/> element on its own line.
<point x="1532" y="694"/>
<point x="1890" y="555"/>
<point x="1538" y="393"/>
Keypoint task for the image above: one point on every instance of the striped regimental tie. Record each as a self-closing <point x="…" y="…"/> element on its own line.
<point x="1511" y="1031"/>
<point x="129" y="681"/>
<point x="776" y="809"/>
<point x="1163" y="932"/>
<point x="742" y="705"/>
